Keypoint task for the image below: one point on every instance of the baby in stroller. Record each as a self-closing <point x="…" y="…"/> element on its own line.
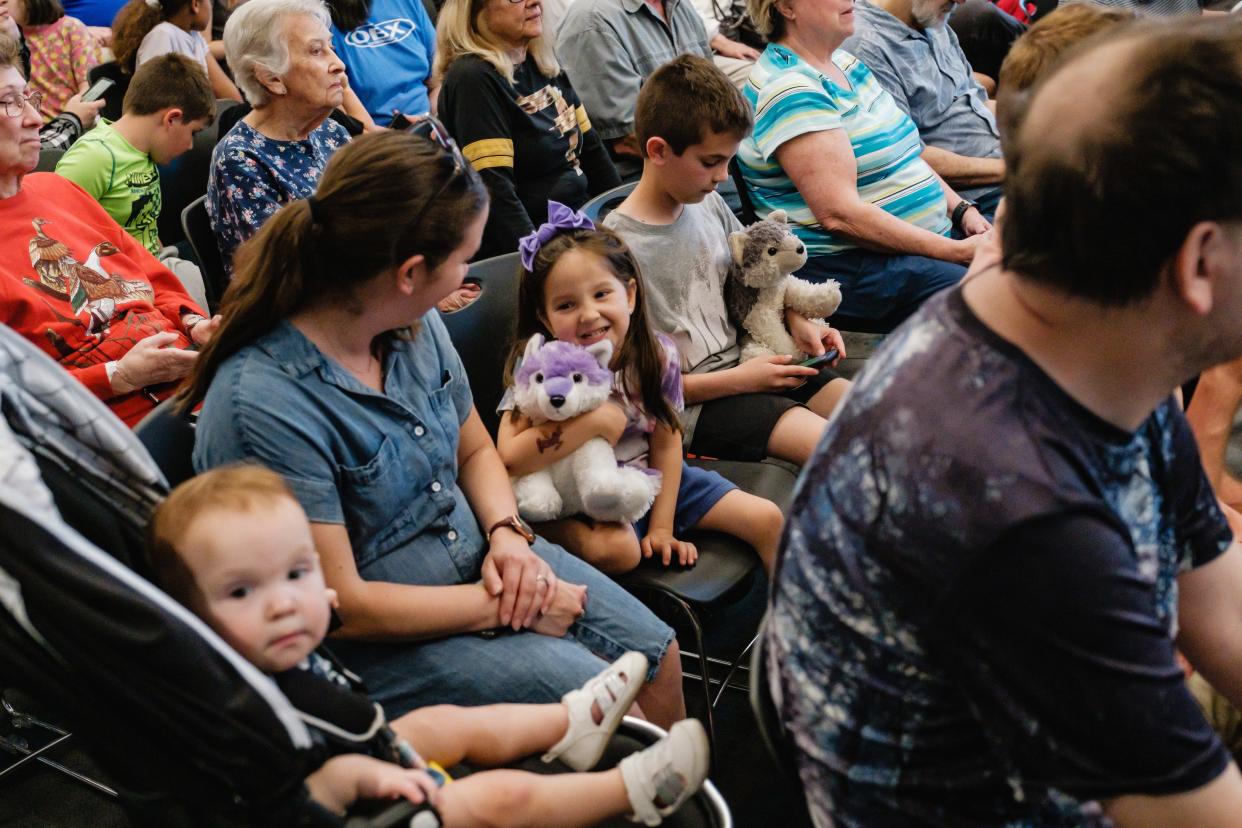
<point x="234" y="546"/>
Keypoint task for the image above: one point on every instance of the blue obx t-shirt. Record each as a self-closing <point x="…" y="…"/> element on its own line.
<point x="389" y="57"/>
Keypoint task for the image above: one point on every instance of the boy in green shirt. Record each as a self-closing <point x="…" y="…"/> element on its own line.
<point x="168" y="100"/>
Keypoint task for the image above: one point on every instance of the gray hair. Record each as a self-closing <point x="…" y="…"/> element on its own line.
<point x="250" y="40"/>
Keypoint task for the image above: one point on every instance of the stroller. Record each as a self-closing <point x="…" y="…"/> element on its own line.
<point x="192" y="734"/>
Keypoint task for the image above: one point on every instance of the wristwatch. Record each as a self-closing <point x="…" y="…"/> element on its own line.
<point x="960" y="210"/>
<point x="516" y="524"/>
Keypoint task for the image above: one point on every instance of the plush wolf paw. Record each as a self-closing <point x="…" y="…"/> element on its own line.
<point x="537" y="498"/>
<point x="624" y="498"/>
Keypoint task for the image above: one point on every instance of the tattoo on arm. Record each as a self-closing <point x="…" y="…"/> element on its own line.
<point x="552" y="441"/>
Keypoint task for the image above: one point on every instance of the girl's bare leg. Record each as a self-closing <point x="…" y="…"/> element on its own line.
<point x="611" y="548"/>
<point x="490" y="735"/>
<point x="753" y="519"/>
<point x="661" y="699"/>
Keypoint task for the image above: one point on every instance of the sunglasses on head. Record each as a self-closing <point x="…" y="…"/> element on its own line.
<point x="429" y="128"/>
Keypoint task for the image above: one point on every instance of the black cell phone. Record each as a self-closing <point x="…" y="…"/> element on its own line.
<point x="400" y="122"/>
<point x="815" y="362"/>
<point x="98" y="89"/>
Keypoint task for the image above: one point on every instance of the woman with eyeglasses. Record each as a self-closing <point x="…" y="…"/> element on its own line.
<point x="509" y="105"/>
<point x="333" y="370"/>
<point x="75" y="283"/>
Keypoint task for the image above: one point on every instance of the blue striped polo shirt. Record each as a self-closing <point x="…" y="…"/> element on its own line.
<point x="792" y="98"/>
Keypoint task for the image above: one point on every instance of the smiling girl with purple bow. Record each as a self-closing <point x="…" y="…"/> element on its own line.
<point x="582" y="285"/>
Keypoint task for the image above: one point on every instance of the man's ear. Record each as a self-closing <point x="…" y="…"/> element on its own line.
<point x="658" y="149"/>
<point x="412" y="274"/>
<point x="1205" y="258"/>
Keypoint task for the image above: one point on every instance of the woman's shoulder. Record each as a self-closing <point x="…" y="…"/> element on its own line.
<point x="471" y="70"/>
<point x="261" y="379"/>
<point x="779" y="70"/>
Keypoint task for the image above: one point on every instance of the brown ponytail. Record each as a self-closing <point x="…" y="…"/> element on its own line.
<point x="134" y="22"/>
<point x="363" y="225"/>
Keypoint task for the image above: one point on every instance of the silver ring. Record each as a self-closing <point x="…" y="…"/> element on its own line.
<point x="541" y="579"/>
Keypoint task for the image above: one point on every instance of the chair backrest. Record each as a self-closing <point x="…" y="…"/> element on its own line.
<point x="482" y="332"/>
<point x="747" y="214"/>
<point x="764" y="708"/>
<point x="197" y="225"/>
<point x="113" y="97"/>
<point x="599" y="207"/>
<point x="184" y="179"/>
<point x="48" y="159"/>
<point x="169" y="438"/>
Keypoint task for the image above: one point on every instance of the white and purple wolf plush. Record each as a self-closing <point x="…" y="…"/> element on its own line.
<point x="558" y="381"/>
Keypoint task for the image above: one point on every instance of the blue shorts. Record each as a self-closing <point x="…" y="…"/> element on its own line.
<point x="700" y="490"/>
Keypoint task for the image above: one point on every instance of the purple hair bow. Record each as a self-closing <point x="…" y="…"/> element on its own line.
<point x="560" y="218"/>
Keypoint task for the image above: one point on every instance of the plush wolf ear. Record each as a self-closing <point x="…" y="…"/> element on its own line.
<point x="532" y="345"/>
<point x="602" y="351"/>
<point x="778" y="216"/>
<point x="737" y="244"/>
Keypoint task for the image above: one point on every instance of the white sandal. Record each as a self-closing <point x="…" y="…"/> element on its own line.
<point x="613" y="691"/>
<point x="661" y="778"/>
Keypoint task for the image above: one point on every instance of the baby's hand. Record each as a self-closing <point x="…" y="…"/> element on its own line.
<point x="384" y="780"/>
<point x="661" y="542"/>
<point x="343" y="780"/>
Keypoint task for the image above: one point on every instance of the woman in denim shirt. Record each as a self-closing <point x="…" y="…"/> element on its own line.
<point x="332" y="369"/>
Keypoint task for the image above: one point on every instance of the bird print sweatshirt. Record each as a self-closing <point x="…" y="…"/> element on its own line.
<point x="82" y="289"/>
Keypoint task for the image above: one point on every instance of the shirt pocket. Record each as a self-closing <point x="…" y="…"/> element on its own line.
<point x="385" y="501"/>
<point x="447" y="417"/>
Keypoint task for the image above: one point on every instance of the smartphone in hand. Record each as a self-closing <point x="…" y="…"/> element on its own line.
<point x="824" y="358"/>
<point x="98" y="89"/>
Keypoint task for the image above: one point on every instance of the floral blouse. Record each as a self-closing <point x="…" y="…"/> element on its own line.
<point x="253" y="176"/>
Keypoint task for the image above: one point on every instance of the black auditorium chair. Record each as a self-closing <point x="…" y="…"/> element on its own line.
<point x="727" y="567"/>
<point x="48" y="159"/>
<point x="745" y="208"/>
<point x="598" y="208"/>
<point x="168" y="436"/>
<point x="764" y="707"/>
<point x="198" y="232"/>
<point x="184" y="179"/>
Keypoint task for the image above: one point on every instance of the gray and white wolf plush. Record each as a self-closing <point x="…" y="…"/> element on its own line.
<point x="558" y="381"/>
<point x="760" y="287"/>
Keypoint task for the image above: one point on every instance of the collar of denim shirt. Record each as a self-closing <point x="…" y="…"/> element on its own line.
<point x="298" y="356"/>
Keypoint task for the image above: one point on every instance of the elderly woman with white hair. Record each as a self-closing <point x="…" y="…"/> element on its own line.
<point x="512" y="110"/>
<point x="281" y="55"/>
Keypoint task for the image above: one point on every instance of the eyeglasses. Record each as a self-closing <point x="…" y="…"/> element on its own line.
<point x="430" y="128"/>
<point x="15" y="107"/>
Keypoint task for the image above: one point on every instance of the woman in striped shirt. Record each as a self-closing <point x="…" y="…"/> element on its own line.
<point x="833" y="150"/>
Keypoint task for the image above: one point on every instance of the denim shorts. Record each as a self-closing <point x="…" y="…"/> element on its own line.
<point x="700" y="490"/>
<point x="522" y="667"/>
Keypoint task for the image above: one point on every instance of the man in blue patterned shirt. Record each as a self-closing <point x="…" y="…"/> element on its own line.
<point x="1006" y="533"/>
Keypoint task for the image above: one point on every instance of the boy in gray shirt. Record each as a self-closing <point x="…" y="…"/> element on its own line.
<point x="689" y="121"/>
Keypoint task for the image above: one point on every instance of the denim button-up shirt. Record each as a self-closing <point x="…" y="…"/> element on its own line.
<point x="383" y="465"/>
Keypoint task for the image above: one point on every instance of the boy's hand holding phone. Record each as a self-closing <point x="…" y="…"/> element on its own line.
<point x="813" y="337"/>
